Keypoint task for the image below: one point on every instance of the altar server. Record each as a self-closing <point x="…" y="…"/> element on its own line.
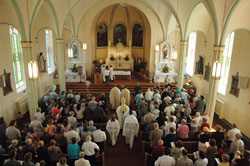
<point x="111" y="73"/>
<point x="113" y="129"/>
<point x="103" y="67"/>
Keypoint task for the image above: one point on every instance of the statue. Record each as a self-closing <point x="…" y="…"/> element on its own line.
<point x="41" y="63"/>
<point x="7" y="86"/>
<point x="234" y="86"/>
<point x="199" y="65"/>
<point x="207" y="72"/>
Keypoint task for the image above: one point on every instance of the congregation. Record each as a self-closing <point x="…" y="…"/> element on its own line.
<point x="68" y="129"/>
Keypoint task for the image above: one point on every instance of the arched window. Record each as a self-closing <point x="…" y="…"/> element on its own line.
<point x="49" y="50"/>
<point x="137" y="35"/>
<point x="120" y="34"/>
<point x="226" y="60"/>
<point x="16" y="52"/>
<point x="102" y="35"/>
<point x="191" y="53"/>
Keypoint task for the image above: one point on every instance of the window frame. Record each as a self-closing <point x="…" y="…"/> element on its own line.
<point x="192" y="41"/>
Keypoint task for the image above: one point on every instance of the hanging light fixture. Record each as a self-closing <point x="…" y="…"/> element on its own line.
<point x="157" y="48"/>
<point x="33" y="70"/>
<point x="70" y="53"/>
<point x="216" y="74"/>
<point x="175" y="53"/>
<point x="84" y="44"/>
<point x="32" y="64"/>
<point x="70" y="50"/>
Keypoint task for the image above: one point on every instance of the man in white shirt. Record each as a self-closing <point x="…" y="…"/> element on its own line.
<point x="111" y="73"/>
<point x="82" y="161"/>
<point x="40" y="116"/>
<point x="169" y="108"/>
<point x="89" y="149"/>
<point x="71" y="119"/>
<point x="106" y="74"/>
<point x="165" y="160"/>
<point x="71" y="134"/>
<point x="149" y="95"/>
<point x="157" y="96"/>
<point x="99" y="138"/>
<point x="77" y="98"/>
<point x="169" y="124"/>
<point x="231" y="134"/>
<point x="130" y="129"/>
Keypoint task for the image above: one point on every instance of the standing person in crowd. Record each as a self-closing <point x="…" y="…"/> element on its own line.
<point x="3" y="127"/>
<point x="236" y="145"/>
<point x="184" y="160"/>
<point x="54" y="153"/>
<point x="113" y="129"/>
<point x="231" y="134"/>
<point x="12" y="132"/>
<point x="149" y="95"/>
<point x="155" y="135"/>
<point x="126" y="94"/>
<point x="219" y="136"/>
<point x="82" y="161"/>
<point x="137" y="88"/>
<point x="11" y="161"/>
<point x="99" y="138"/>
<point x="203" y="138"/>
<point x="166" y="159"/>
<point x="27" y="160"/>
<point x="73" y="152"/>
<point x="202" y="160"/>
<point x="183" y="130"/>
<point x="211" y="151"/>
<point x="89" y="148"/>
<point x="114" y="97"/>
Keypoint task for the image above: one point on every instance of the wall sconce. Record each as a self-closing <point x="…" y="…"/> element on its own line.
<point x="216" y="74"/>
<point x="157" y="48"/>
<point x="84" y="46"/>
<point x="174" y="56"/>
<point x="70" y="53"/>
<point x="33" y="70"/>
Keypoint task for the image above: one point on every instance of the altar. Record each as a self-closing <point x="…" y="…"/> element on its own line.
<point x="164" y="64"/>
<point x="120" y="56"/>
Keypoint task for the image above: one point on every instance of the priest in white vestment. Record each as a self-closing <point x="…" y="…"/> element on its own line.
<point x="126" y="94"/>
<point x="114" y="97"/>
<point x="113" y="129"/>
<point x="121" y="110"/>
<point x="130" y="129"/>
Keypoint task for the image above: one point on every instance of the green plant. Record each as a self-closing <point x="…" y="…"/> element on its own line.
<point x="165" y="69"/>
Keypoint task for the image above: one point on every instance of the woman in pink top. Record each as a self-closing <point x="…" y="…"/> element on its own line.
<point x="183" y="130"/>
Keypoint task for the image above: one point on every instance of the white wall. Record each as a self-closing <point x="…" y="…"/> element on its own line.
<point x="238" y="107"/>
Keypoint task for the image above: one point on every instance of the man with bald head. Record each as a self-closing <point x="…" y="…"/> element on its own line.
<point x="82" y="161"/>
<point x="155" y="135"/>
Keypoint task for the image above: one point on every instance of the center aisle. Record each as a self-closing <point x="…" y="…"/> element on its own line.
<point x="121" y="155"/>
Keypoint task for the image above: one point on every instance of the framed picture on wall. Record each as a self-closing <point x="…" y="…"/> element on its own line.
<point x="234" y="85"/>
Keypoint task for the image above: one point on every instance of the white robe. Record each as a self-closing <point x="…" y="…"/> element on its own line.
<point x="130" y="130"/>
<point x="126" y="94"/>
<point x="114" y="97"/>
<point x="103" y="67"/>
<point x="111" y="74"/>
<point x="120" y="111"/>
<point x="113" y="129"/>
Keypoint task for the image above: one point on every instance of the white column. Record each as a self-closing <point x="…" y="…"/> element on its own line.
<point x="182" y="60"/>
<point x="213" y="86"/>
<point x="31" y="85"/>
<point x="61" y="64"/>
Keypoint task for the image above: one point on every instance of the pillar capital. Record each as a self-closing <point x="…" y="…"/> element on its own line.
<point x="219" y="48"/>
<point x="184" y="42"/>
<point x="26" y="44"/>
<point x="59" y="40"/>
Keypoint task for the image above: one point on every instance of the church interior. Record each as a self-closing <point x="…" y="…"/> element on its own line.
<point x="192" y="49"/>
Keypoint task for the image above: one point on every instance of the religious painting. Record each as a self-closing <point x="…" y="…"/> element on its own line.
<point x="137" y="35"/>
<point x="120" y="34"/>
<point x="102" y="35"/>
<point x="234" y="85"/>
<point x="7" y="83"/>
<point x="207" y="72"/>
<point x="41" y="63"/>
<point x="199" y="66"/>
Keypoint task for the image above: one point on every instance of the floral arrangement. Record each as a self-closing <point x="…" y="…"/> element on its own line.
<point x="165" y="69"/>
